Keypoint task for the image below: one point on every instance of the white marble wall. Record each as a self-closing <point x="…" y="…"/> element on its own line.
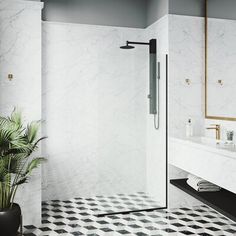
<point x="186" y="61"/>
<point x="221" y="66"/>
<point x="186" y="42"/>
<point x="20" y="55"/>
<point x="186" y="53"/>
<point x="156" y="139"/>
<point x="94" y="105"/>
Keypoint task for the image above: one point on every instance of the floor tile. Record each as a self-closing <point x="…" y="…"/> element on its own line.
<point x="78" y="217"/>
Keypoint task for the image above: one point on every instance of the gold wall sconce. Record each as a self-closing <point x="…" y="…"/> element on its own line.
<point x="10" y="77"/>
<point x="220" y="82"/>
<point x="188" y="81"/>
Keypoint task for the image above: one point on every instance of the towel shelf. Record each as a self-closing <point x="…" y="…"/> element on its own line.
<point x="222" y="201"/>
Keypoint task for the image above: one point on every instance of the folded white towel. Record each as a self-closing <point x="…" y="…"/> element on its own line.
<point x="204" y="188"/>
<point x="201" y="185"/>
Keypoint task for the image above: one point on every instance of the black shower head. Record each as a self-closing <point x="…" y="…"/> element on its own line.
<point x="127" y="46"/>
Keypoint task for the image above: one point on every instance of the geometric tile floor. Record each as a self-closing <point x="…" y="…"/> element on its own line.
<point x="116" y="203"/>
<point x="76" y="217"/>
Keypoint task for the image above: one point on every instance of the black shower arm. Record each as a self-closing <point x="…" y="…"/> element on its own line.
<point x="151" y="44"/>
<point x="138" y="43"/>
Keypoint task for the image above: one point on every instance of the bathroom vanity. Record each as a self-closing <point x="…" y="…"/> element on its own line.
<point x="208" y="160"/>
<point x="211" y="160"/>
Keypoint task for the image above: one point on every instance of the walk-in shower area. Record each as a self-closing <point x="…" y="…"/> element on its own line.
<point x="105" y="113"/>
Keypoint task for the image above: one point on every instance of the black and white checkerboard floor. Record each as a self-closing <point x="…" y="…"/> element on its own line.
<point x="119" y="203"/>
<point x="77" y="217"/>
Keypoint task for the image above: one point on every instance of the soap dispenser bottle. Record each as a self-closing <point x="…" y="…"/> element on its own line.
<point x="189" y="128"/>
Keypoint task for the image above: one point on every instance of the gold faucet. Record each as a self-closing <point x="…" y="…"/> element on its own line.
<point x="217" y="129"/>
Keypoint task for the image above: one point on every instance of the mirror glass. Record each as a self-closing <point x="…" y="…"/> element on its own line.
<point x="221" y="69"/>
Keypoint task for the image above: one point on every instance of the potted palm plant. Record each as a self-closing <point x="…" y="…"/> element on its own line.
<point x="17" y="143"/>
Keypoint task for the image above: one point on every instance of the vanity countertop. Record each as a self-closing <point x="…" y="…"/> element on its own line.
<point x="207" y="145"/>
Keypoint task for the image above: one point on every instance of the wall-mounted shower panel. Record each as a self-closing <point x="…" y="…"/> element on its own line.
<point x="153" y="78"/>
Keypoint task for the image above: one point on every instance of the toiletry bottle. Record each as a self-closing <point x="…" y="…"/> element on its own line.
<point x="230" y="136"/>
<point x="189" y="129"/>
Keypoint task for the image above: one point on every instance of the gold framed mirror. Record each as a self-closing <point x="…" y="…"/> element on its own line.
<point x="220" y="87"/>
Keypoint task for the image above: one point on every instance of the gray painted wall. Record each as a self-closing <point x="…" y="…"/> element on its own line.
<point x="131" y="13"/>
<point x="186" y="7"/>
<point x="155" y="10"/>
<point x="126" y="13"/>
<point x="225" y="9"/>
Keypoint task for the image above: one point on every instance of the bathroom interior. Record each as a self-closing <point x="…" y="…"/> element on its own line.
<point x="135" y="100"/>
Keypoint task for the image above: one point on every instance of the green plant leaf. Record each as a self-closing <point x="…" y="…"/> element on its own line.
<point x="32" y="131"/>
<point x="17" y="143"/>
<point x="16" y="117"/>
<point x="3" y="171"/>
<point x="34" y="164"/>
<point x="22" y="181"/>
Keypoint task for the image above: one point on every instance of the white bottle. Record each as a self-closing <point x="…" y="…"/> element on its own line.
<point x="189" y="129"/>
